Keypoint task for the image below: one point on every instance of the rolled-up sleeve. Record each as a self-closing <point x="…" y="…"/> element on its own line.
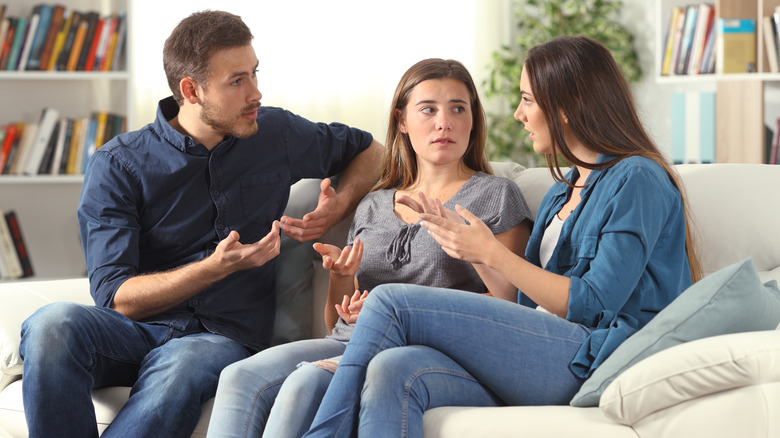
<point x="109" y="226"/>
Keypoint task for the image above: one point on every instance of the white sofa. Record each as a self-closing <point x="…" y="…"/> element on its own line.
<point x="737" y="210"/>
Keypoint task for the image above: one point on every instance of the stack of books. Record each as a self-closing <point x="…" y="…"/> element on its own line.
<point x="55" y="145"/>
<point x="56" y="38"/>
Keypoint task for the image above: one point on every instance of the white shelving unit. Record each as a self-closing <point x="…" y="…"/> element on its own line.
<point x="745" y="101"/>
<point x="46" y="205"/>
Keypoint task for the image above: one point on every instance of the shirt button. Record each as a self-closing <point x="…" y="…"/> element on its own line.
<point x="215" y="193"/>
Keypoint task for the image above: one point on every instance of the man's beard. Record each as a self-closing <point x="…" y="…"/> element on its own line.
<point x="239" y="127"/>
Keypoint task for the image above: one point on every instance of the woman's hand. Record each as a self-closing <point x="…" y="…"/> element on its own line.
<point x="349" y="309"/>
<point x="428" y="206"/>
<point x="341" y="262"/>
<point x="470" y="241"/>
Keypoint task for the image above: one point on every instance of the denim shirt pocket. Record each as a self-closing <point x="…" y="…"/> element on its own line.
<point x="580" y="254"/>
<point x="259" y="204"/>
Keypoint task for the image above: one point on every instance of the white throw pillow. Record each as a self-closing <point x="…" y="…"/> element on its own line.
<point x="692" y="370"/>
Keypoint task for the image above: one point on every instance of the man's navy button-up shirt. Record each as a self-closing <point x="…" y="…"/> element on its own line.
<point x="154" y="200"/>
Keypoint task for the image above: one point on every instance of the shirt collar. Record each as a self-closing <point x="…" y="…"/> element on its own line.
<point x="166" y="110"/>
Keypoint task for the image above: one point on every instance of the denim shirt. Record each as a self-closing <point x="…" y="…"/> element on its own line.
<point x="154" y="200"/>
<point x="623" y="248"/>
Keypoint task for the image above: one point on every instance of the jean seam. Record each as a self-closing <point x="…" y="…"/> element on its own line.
<point x="257" y="398"/>
<point x="408" y="390"/>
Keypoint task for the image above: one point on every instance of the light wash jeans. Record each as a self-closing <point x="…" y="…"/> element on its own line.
<point x="413" y="351"/>
<point x="248" y="390"/>
<point x="70" y="349"/>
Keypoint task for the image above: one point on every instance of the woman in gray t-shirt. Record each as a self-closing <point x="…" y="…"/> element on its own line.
<point x="434" y="159"/>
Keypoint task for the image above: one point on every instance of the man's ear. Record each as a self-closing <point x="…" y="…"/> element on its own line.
<point x="189" y="89"/>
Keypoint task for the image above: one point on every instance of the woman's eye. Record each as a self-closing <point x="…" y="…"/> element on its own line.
<point x="426" y="110"/>
<point x="459" y="109"/>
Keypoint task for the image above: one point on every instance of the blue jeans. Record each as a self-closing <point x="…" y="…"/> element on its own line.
<point x="412" y="351"/>
<point x="247" y="390"/>
<point x="70" y="349"/>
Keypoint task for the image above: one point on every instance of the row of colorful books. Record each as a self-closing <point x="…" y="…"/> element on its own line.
<point x="14" y="258"/>
<point x="698" y="43"/>
<point x="690" y="41"/>
<point x="57" y="38"/>
<point x="55" y="145"/>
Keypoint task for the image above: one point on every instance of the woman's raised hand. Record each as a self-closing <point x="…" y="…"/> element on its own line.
<point x="428" y="206"/>
<point x="467" y="239"/>
<point x="349" y="309"/>
<point x="341" y="261"/>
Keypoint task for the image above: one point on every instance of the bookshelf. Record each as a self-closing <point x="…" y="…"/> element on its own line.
<point x="46" y="205"/>
<point x="744" y="101"/>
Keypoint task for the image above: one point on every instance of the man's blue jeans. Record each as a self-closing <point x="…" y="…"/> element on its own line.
<point x="416" y="348"/>
<point x="70" y="349"/>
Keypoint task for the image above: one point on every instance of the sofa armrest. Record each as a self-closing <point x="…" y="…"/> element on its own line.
<point x="20" y="300"/>
<point x="691" y="370"/>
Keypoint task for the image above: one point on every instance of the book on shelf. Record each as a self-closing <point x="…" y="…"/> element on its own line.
<point x="19" y="245"/>
<point x="67" y="44"/>
<point x="770" y="42"/>
<point x="46" y="125"/>
<point x="14" y="149"/>
<point x="89" y="63"/>
<point x="736" y="45"/>
<point x="29" y="36"/>
<point x="78" y="41"/>
<point x="5" y="23"/>
<point x="671" y="38"/>
<point x="38" y="35"/>
<point x="707" y="64"/>
<point x="46" y="162"/>
<point x="62" y="152"/>
<point x="59" y="40"/>
<point x="10" y="266"/>
<point x="57" y="18"/>
<point x="689" y="28"/>
<point x="93" y="19"/>
<point x="116" y="49"/>
<point x="10" y="138"/>
<point x="16" y="45"/>
<point x="26" y="143"/>
<point x="704" y="19"/>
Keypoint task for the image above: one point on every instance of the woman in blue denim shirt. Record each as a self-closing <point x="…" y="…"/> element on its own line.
<point x="609" y="249"/>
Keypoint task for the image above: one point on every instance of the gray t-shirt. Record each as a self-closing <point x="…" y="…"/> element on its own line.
<point x="397" y="252"/>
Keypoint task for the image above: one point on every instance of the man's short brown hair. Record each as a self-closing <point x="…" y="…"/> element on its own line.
<point x="194" y="41"/>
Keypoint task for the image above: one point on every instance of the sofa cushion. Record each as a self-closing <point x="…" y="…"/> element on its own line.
<point x="685" y="372"/>
<point x="731" y="300"/>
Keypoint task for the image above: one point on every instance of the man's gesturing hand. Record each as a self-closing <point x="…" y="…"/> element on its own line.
<point x="315" y="224"/>
<point x="235" y="256"/>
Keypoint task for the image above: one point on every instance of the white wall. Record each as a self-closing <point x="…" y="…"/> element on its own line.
<point x="336" y="60"/>
<point x="340" y="60"/>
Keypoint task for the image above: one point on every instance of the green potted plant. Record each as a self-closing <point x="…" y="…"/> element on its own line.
<point x="537" y="22"/>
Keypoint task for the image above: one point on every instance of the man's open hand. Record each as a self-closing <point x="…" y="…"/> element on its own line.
<point x="313" y="225"/>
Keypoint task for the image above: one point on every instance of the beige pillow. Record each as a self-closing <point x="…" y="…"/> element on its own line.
<point x="691" y="370"/>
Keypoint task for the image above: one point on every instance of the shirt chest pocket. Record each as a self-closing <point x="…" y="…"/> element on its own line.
<point x="581" y="253"/>
<point x="261" y="196"/>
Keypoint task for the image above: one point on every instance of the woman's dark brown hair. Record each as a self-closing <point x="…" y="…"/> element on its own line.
<point x="578" y="77"/>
